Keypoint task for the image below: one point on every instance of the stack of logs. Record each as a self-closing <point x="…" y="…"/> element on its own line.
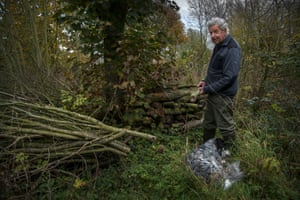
<point x="173" y="109"/>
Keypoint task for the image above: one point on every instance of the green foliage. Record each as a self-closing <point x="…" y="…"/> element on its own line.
<point x="268" y="122"/>
<point x="146" y="65"/>
<point x="22" y="162"/>
<point x="158" y="171"/>
<point x="148" y="61"/>
<point x="265" y="151"/>
<point x="192" y="58"/>
<point x="72" y="102"/>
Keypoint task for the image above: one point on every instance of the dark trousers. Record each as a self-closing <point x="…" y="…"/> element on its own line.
<point x="219" y="115"/>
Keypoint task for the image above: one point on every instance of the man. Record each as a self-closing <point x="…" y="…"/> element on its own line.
<point x="221" y="82"/>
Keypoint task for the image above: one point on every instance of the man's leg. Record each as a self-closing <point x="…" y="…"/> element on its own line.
<point x="209" y="124"/>
<point x="225" y="121"/>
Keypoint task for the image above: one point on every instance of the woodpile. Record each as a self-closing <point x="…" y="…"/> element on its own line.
<point x="38" y="138"/>
<point x="173" y="109"/>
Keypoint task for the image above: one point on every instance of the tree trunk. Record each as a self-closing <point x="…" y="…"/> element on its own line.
<point x="113" y="35"/>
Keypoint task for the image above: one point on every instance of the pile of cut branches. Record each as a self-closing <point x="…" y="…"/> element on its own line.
<point x="36" y="138"/>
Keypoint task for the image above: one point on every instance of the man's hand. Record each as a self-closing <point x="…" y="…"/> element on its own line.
<point x="201" y="86"/>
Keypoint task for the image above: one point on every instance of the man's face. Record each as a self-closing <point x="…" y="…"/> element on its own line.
<point x="216" y="34"/>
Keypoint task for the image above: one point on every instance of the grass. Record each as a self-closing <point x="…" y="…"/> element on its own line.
<point x="157" y="170"/>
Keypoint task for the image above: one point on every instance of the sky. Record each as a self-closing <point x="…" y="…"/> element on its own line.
<point x="188" y="21"/>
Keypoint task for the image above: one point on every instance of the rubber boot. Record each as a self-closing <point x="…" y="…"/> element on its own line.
<point x="229" y="139"/>
<point x="208" y="134"/>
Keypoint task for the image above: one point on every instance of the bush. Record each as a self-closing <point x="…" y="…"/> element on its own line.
<point x="158" y="170"/>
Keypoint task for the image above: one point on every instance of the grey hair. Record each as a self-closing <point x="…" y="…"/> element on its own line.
<point x="220" y="22"/>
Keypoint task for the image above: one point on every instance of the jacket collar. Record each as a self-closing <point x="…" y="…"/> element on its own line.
<point x="225" y="41"/>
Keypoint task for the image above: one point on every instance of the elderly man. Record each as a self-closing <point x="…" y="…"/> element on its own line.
<point x="221" y="82"/>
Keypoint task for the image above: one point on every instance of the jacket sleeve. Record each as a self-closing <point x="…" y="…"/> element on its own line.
<point x="231" y="67"/>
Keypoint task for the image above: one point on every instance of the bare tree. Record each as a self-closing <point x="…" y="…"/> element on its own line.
<point x="266" y="30"/>
<point x="28" y="49"/>
<point x="203" y="10"/>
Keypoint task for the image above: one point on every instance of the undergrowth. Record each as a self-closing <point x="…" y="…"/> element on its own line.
<point x="157" y="170"/>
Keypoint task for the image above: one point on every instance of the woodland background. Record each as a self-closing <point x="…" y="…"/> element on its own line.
<point x="132" y="65"/>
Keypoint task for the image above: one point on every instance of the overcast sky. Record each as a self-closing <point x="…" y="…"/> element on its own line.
<point x="188" y="21"/>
